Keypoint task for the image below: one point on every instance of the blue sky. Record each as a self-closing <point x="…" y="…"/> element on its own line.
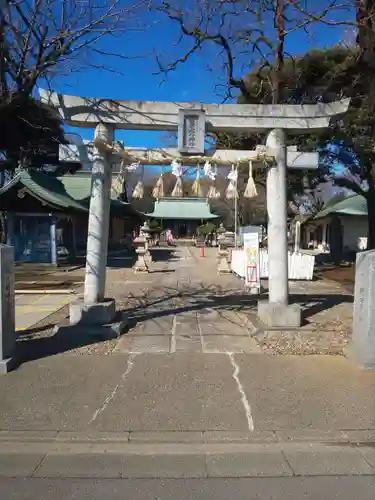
<point x="192" y="81"/>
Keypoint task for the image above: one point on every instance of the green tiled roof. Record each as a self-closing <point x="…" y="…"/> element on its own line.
<point x="46" y="188"/>
<point x="79" y="188"/>
<point x="182" y="208"/>
<point x="353" y="205"/>
<point x="68" y="193"/>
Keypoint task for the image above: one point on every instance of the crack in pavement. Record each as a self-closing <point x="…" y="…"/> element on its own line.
<point x="244" y="400"/>
<point x="112" y="394"/>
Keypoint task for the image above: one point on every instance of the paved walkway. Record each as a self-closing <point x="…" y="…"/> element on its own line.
<point x="187" y="392"/>
<point x="183" y="311"/>
<point x="32" y="308"/>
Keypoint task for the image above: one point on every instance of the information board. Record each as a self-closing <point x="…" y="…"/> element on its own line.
<point x="252" y="264"/>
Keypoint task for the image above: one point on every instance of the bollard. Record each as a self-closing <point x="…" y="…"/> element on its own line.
<point x="202" y="252"/>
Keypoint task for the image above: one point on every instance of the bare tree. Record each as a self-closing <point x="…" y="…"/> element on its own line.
<point x="43" y="37"/>
<point x="246" y="33"/>
<point x="40" y="39"/>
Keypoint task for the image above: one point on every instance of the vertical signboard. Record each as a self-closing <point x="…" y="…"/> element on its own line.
<point x="252" y="264"/>
<point x="191" y="131"/>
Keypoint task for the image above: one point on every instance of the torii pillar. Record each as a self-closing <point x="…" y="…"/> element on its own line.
<point x="95" y="309"/>
<point x="277" y="312"/>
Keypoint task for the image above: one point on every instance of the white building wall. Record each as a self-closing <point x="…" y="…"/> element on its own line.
<point x="354" y="227"/>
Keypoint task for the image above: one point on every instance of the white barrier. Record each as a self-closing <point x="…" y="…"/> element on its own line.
<point x="300" y="265"/>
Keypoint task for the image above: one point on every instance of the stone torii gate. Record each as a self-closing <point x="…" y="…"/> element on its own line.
<point x="192" y="121"/>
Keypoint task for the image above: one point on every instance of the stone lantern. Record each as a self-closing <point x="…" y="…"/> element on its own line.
<point x="223" y="253"/>
<point x="146" y="232"/>
<point x="219" y="232"/>
<point x="140" y="248"/>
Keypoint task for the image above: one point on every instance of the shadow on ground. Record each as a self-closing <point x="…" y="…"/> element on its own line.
<point x="127" y="261"/>
<point x="170" y="301"/>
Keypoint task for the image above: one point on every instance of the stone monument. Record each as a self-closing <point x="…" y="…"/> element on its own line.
<point x="7" y="310"/>
<point x="362" y="346"/>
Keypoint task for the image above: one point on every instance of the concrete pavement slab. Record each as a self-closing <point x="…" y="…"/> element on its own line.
<point x="176" y="392"/>
<point x="263" y="461"/>
<point x="311" y="392"/>
<point x="172" y="466"/>
<point x="70" y="466"/>
<point x="229" y="343"/>
<point x="367" y="450"/>
<point x="19" y="464"/>
<point x="187" y="343"/>
<point x="123" y="345"/>
<point x="59" y="392"/>
<point x="187" y="324"/>
<point x="154" y="326"/>
<point x="222" y="322"/>
<point x="110" y="465"/>
<point x="149" y="344"/>
<point x="321" y="460"/>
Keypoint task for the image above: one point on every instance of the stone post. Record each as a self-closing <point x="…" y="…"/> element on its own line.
<point x="95" y="310"/>
<point x="276" y="312"/>
<point x="362" y="345"/>
<point x="7" y="309"/>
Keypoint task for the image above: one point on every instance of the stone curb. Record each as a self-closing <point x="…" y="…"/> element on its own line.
<point x="344" y="437"/>
<point x="69" y="459"/>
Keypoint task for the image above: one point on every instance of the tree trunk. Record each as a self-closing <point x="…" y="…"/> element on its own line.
<point x="279" y="52"/>
<point x="370" y="200"/>
<point x="365" y="10"/>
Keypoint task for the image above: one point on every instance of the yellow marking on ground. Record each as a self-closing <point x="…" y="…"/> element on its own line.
<point x="36" y="309"/>
<point x="36" y="301"/>
<point x="65" y="300"/>
<point x="19" y="329"/>
<point x="26" y="307"/>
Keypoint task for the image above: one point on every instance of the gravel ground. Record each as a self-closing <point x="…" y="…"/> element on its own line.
<point x="328" y="324"/>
